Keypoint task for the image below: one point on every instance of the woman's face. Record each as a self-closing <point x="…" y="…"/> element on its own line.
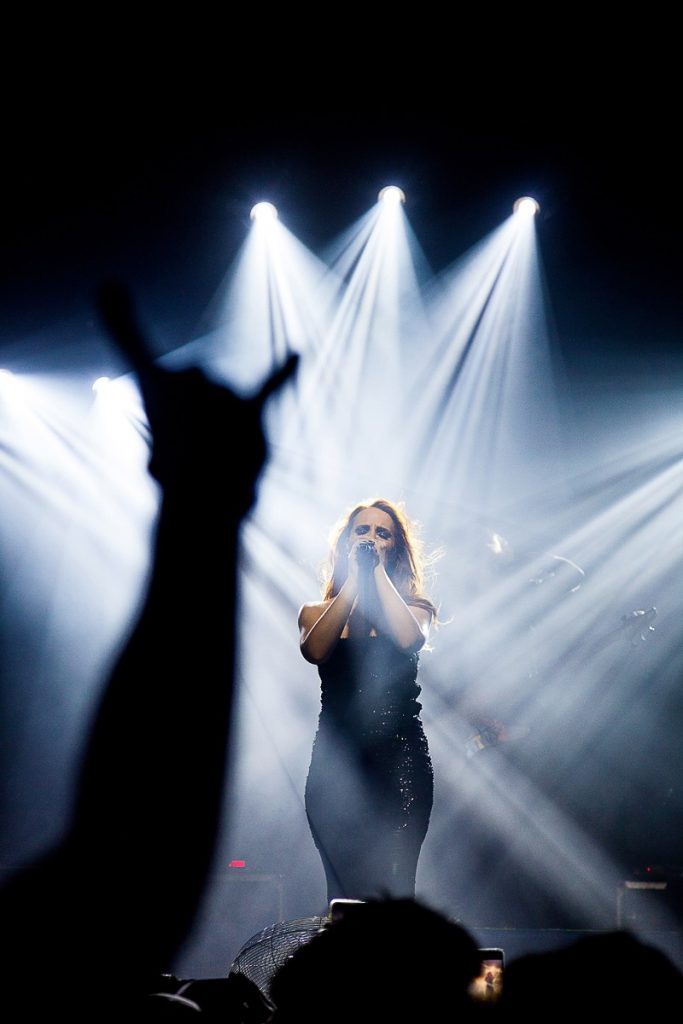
<point x="375" y="525"/>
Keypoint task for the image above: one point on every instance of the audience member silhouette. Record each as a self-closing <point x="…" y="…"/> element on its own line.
<point x="90" y="927"/>
<point x="613" y="975"/>
<point x="382" y="960"/>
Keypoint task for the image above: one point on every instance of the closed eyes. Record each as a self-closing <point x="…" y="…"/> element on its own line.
<point x="381" y="531"/>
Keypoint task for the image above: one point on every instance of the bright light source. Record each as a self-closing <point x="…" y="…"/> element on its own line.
<point x="5" y="375"/>
<point x="263" y="211"/>
<point x="498" y="545"/>
<point x="526" y="205"/>
<point x="391" y="194"/>
<point x="100" y="384"/>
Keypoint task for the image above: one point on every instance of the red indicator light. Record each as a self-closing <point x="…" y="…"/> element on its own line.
<point x="237" y="864"/>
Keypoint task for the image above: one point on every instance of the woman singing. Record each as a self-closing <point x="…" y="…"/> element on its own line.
<point x="369" y="789"/>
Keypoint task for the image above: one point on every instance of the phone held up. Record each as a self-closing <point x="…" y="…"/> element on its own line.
<point x="488" y="985"/>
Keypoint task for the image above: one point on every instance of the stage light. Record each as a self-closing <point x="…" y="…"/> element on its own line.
<point x="526" y="205"/>
<point x="466" y="431"/>
<point x="391" y="194"/>
<point x="263" y="212"/>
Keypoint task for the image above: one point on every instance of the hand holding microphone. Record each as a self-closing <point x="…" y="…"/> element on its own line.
<point x="366" y="556"/>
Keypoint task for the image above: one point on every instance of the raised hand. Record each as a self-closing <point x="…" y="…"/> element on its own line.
<point x="192" y="418"/>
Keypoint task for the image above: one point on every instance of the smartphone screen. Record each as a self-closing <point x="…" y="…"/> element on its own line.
<point x="488" y="984"/>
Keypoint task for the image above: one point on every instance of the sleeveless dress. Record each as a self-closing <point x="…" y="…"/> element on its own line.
<point x="369" y="789"/>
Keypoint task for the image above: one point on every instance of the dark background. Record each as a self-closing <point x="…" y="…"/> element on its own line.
<point x="155" y="189"/>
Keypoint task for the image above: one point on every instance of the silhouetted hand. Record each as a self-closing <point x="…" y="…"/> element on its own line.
<point x="124" y="883"/>
<point x="199" y="427"/>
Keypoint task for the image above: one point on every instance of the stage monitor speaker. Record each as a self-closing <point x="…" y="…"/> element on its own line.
<point x="655" y="904"/>
<point x="236" y="905"/>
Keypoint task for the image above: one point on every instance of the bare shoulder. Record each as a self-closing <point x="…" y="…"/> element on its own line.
<point x="424" y="618"/>
<point x="311" y="612"/>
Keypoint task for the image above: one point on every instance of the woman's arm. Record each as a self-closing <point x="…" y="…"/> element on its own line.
<point x="407" y="625"/>
<point x="368" y="593"/>
<point x="322" y="624"/>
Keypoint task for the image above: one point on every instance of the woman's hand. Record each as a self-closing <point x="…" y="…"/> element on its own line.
<point x="364" y="557"/>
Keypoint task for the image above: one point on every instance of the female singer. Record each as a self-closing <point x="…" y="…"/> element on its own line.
<point x="369" y="789"/>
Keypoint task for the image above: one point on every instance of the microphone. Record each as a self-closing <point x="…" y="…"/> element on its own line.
<point x="366" y="556"/>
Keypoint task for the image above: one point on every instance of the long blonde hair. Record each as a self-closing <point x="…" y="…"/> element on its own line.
<point x="408" y="565"/>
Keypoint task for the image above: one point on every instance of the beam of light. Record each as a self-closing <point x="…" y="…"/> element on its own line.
<point x="484" y="401"/>
<point x="355" y="380"/>
<point x="513" y="833"/>
<point x="275" y="723"/>
<point x="611" y="545"/>
<point x="78" y="513"/>
<point x="46" y="431"/>
<point x="276" y="298"/>
<point x="577" y="669"/>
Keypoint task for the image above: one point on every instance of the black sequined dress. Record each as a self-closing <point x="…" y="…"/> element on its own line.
<point x="369" y="789"/>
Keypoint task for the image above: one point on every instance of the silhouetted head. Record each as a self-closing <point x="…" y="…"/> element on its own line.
<point x="613" y="973"/>
<point x="384" y="959"/>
